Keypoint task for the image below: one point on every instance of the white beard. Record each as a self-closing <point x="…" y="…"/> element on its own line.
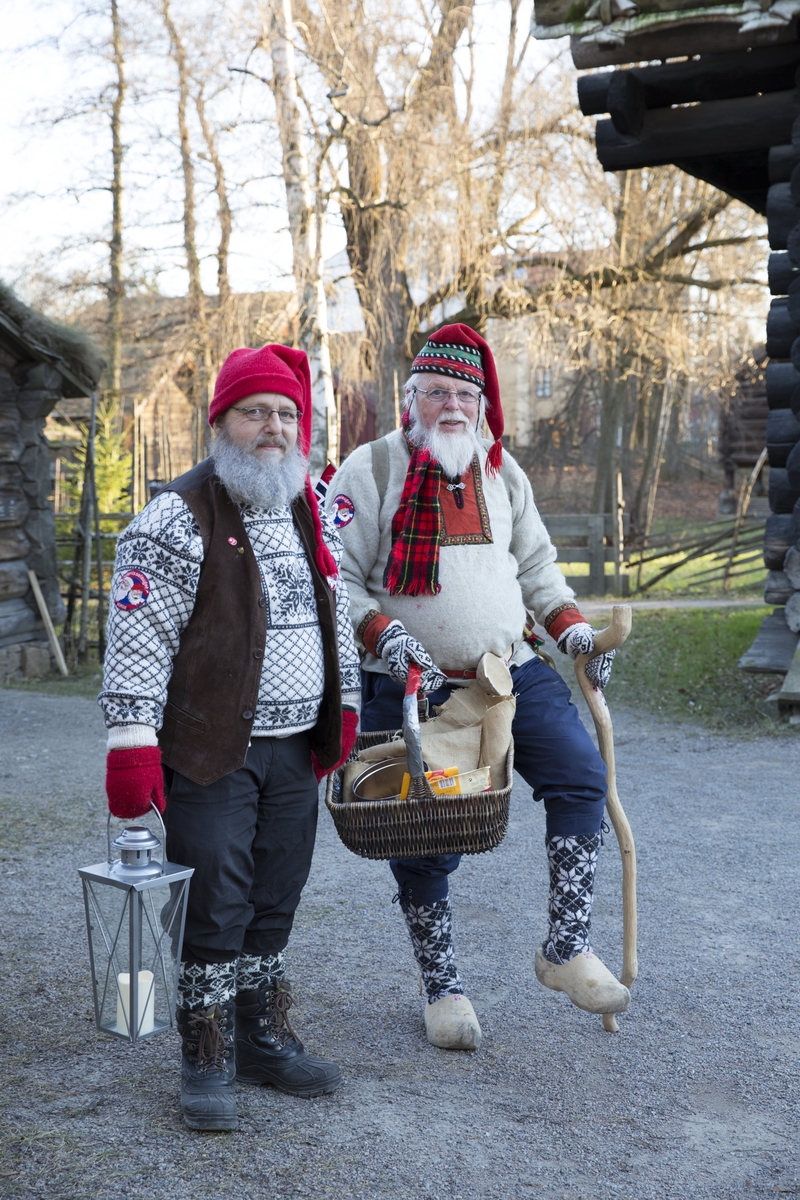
<point x="452" y="451"/>
<point x="250" y="480"/>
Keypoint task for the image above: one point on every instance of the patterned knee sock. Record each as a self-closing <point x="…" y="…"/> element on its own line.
<point x="431" y="930"/>
<point x="572" y="863"/>
<point x="253" y="969"/>
<point x="202" y="984"/>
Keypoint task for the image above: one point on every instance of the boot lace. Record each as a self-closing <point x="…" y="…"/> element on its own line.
<point x="210" y="1040"/>
<point x="281" y="1002"/>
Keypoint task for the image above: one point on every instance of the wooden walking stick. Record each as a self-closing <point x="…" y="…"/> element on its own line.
<point x="610" y="639"/>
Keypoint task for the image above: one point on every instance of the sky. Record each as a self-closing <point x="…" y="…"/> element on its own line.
<point x="51" y="194"/>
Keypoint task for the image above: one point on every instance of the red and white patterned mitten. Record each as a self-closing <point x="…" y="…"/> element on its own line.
<point x="579" y="639"/>
<point x="399" y="649"/>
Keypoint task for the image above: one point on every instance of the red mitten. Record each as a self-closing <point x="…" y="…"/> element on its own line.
<point x="133" y="779"/>
<point x="349" y="734"/>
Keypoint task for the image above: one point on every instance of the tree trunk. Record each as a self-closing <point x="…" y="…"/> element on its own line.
<point x="116" y="287"/>
<point x="611" y="413"/>
<point x="376" y="243"/>
<point x="305" y="224"/>
<point x="197" y="304"/>
<point x="224" y="209"/>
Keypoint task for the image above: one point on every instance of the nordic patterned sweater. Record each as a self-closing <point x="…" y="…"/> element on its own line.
<point x="157" y="570"/>
<point x="490" y="576"/>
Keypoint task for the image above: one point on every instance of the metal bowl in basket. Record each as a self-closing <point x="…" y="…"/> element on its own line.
<point x="470" y="823"/>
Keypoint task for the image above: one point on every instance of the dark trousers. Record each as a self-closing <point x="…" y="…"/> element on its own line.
<point x="250" y="838"/>
<point x="552" y="752"/>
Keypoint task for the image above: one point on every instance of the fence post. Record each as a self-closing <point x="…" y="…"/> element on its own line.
<point x="619" y="537"/>
<point x="597" y="580"/>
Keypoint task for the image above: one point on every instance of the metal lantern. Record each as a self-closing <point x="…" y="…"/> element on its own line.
<point x="135" y="915"/>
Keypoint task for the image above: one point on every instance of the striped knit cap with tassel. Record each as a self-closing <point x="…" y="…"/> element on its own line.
<point x="460" y="352"/>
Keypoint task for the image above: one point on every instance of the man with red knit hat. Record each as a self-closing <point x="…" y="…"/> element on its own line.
<point x="445" y="557"/>
<point x="231" y="677"/>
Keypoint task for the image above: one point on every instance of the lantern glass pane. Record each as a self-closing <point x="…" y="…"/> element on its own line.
<point x="161" y="915"/>
<point x="134" y="936"/>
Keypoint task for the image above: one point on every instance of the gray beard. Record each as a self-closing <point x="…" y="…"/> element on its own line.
<point x="248" y="480"/>
<point x="453" y="452"/>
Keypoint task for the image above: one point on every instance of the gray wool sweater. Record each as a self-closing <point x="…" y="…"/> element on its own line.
<point x="487" y="589"/>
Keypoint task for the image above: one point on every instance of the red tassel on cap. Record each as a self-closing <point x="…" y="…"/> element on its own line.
<point x="494" y="459"/>
<point x="323" y="557"/>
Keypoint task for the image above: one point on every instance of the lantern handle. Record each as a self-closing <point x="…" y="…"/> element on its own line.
<point x="163" y="826"/>
<point x="111" y="859"/>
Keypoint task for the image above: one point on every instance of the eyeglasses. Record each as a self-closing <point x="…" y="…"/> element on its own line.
<point x="287" y="416"/>
<point x="442" y="395"/>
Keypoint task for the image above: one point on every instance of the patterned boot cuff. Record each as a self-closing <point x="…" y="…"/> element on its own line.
<point x="252" y="970"/>
<point x="202" y="984"/>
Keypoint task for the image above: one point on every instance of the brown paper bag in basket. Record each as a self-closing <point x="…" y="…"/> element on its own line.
<point x="472" y="729"/>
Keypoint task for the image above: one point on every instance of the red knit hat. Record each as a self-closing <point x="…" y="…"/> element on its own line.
<point x="284" y="371"/>
<point x="460" y="352"/>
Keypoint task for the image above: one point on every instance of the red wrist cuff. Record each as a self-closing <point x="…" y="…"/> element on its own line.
<point x="560" y="619"/>
<point x="371" y="629"/>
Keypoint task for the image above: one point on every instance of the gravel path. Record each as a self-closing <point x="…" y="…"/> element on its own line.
<point x="695" y="1097"/>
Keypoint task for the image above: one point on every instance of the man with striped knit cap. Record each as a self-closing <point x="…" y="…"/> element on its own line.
<point x="445" y="557"/>
<point x="231" y="675"/>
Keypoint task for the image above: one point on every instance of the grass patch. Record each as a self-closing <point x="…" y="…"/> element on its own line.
<point x="84" y="681"/>
<point x="682" y="665"/>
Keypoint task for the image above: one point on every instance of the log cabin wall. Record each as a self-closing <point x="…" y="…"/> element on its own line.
<point x="728" y="113"/>
<point x="36" y="372"/>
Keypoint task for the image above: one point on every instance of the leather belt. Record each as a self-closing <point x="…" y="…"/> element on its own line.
<point x="459" y="674"/>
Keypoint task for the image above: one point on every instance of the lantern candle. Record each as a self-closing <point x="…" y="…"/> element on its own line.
<point x="145" y="991"/>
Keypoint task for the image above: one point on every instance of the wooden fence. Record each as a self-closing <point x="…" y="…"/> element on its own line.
<point x="596" y="539"/>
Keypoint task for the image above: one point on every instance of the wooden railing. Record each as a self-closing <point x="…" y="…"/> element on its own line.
<point x="596" y="539"/>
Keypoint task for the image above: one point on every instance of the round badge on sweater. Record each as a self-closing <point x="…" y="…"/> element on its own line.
<point x="343" y="510"/>
<point x="132" y="591"/>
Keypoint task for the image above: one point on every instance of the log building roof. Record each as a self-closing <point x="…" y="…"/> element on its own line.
<point x="30" y="336"/>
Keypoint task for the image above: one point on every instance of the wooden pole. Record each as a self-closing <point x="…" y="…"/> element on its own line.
<point x="741" y="510"/>
<point x="610" y="639"/>
<point x="77" y="544"/>
<point x="619" y="535"/>
<point x="101" y="636"/>
<point x="88" y="480"/>
<point x="55" y="645"/>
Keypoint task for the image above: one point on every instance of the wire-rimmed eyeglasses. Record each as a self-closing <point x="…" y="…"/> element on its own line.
<point x="286" y="416"/>
<point x="441" y="395"/>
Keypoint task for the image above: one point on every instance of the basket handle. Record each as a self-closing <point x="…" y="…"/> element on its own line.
<point x="414" y="679"/>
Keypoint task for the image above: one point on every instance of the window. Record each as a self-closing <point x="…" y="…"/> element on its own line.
<point x="544" y="382"/>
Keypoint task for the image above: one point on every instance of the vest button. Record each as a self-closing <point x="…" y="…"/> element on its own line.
<point x="262" y="602"/>
<point x="247" y="715"/>
<point x="258" y="654"/>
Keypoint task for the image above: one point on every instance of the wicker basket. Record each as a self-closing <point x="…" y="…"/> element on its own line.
<point x="465" y="824"/>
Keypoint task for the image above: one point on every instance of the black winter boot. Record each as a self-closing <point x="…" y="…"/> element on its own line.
<point x="269" y="1051"/>
<point x="207" y="1067"/>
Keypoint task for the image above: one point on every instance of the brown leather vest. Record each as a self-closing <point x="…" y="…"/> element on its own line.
<point x="211" y="698"/>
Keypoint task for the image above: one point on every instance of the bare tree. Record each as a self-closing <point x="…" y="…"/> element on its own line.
<point x="305" y="209"/>
<point x="202" y="392"/>
<point x="221" y="188"/>
<point x="116" y="286"/>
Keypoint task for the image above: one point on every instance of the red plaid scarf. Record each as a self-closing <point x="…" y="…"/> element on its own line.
<point x="413" y="566"/>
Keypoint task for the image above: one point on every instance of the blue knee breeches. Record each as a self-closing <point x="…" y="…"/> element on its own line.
<point x="552" y="752"/>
